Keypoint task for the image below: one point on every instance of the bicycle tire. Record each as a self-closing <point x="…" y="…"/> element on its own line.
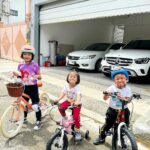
<point x="54" y="137"/>
<point x="128" y="135"/>
<point x="10" y="126"/>
<point x="45" y="104"/>
<point x="55" y="114"/>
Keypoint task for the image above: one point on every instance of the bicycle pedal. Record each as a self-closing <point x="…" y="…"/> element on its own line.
<point x="57" y="122"/>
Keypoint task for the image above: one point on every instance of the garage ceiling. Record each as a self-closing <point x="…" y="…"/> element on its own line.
<point x="91" y="9"/>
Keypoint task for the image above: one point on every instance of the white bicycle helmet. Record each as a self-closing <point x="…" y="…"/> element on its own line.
<point x="28" y="49"/>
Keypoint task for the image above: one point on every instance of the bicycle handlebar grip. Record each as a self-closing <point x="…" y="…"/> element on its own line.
<point x="137" y="96"/>
<point x="105" y="92"/>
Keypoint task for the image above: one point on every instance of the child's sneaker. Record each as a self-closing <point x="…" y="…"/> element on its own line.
<point x="37" y="125"/>
<point x="99" y="140"/>
<point x="25" y="120"/>
<point x="78" y="136"/>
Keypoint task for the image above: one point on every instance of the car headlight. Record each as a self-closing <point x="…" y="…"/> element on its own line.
<point x="142" y="60"/>
<point x="88" y="57"/>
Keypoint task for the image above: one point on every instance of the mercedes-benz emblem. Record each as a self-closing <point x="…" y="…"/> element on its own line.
<point x="117" y="61"/>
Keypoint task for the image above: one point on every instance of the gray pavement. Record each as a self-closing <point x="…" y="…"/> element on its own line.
<point x="93" y="111"/>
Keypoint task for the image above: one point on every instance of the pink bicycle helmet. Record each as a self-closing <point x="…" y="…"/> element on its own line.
<point x="28" y="49"/>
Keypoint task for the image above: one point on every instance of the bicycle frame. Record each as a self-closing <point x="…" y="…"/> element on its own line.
<point x="61" y="138"/>
<point x="63" y="128"/>
<point x="21" y="102"/>
<point x="120" y="122"/>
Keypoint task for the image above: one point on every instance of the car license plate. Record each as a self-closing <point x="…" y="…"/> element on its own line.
<point x="115" y="68"/>
<point x="71" y="62"/>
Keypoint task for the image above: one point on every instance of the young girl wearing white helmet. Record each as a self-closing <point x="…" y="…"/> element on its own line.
<point x="29" y="70"/>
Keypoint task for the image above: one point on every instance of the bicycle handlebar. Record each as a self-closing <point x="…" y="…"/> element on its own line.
<point x="69" y="107"/>
<point x="14" y="79"/>
<point x="115" y="94"/>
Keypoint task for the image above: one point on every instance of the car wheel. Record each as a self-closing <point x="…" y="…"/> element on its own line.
<point x="148" y="75"/>
<point x="98" y="66"/>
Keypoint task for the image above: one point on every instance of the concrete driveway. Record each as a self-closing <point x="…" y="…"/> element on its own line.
<point x="93" y="111"/>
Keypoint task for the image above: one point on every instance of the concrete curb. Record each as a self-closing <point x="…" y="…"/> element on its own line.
<point x="142" y="124"/>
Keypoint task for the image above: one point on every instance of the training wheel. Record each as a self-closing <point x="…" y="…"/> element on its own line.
<point x="87" y="134"/>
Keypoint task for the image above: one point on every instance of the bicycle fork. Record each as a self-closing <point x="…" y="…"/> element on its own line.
<point x="122" y="124"/>
<point x="61" y="139"/>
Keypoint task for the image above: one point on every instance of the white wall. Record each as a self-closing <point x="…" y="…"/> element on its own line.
<point x="136" y="26"/>
<point x="20" y="6"/>
<point x="79" y="33"/>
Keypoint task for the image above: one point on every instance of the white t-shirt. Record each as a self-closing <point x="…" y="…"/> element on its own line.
<point x="114" y="102"/>
<point x="71" y="93"/>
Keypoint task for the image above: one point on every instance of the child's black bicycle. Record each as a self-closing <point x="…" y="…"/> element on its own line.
<point x="122" y="137"/>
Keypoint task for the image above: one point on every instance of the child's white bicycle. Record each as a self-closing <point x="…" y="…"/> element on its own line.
<point x="13" y="117"/>
<point x="59" y="139"/>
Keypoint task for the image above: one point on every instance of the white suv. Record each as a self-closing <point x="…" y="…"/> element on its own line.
<point x="134" y="57"/>
<point x="90" y="58"/>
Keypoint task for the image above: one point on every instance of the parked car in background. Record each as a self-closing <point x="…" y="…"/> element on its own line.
<point x="90" y="58"/>
<point x="134" y="57"/>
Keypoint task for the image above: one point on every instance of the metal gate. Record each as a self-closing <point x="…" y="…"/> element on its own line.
<point x="12" y="37"/>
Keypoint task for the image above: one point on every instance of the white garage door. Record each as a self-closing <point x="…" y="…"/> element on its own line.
<point x="88" y="9"/>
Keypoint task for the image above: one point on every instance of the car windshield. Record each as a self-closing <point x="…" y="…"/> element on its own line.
<point x="138" y="44"/>
<point x="116" y="46"/>
<point x="97" y="47"/>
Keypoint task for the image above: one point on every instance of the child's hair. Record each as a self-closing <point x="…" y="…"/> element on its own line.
<point x="78" y="76"/>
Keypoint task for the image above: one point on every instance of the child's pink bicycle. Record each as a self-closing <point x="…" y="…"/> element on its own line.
<point x="13" y="117"/>
<point x="59" y="139"/>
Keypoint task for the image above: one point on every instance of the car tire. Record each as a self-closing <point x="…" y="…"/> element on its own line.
<point x="148" y="75"/>
<point x="98" y="66"/>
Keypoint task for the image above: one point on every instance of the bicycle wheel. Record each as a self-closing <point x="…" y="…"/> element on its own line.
<point x="53" y="143"/>
<point x="55" y="114"/>
<point x="128" y="141"/>
<point x="45" y="104"/>
<point x="12" y="121"/>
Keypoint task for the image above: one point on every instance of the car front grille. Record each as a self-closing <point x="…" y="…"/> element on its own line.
<point x="119" y="61"/>
<point x="73" y="57"/>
